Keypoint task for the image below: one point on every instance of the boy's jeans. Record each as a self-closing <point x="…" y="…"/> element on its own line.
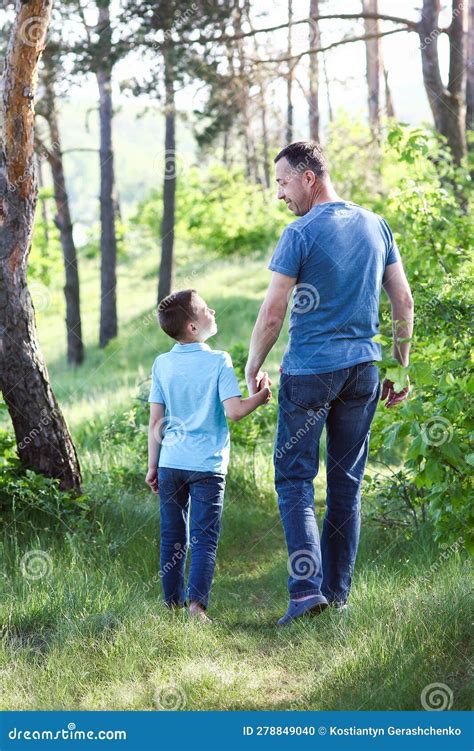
<point x="205" y="491"/>
<point x="345" y="401"/>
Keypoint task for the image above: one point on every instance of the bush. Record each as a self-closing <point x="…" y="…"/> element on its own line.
<point x="430" y="433"/>
<point x="220" y="212"/>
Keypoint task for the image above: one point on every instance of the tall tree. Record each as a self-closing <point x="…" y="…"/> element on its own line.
<point x="289" y="77"/>
<point x="447" y="102"/>
<point x="314" y="43"/>
<point x="470" y="72"/>
<point x="165" y="283"/>
<point x="53" y="152"/>
<point x="372" y="63"/>
<point x="108" y="239"/>
<point x="43" y="440"/>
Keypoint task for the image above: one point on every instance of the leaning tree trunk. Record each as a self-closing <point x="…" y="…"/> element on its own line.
<point x="43" y="440"/>
<point x="108" y="240"/>
<point x="447" y="103"/>
<point x="372" y="65"/>
<point x="169" y="185"/>
<point x="75" y="347"/>
<point x="314" y="43"/>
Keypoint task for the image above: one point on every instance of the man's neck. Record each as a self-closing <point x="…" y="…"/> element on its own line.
<point x="324" y="193"/>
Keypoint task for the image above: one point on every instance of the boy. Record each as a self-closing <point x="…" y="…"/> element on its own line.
<point x="188" y="444"/>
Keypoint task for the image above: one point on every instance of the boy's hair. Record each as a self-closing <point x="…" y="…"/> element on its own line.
<point x="175" y="311"/>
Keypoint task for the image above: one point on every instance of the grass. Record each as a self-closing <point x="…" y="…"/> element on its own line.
<point x="92" y="633"/>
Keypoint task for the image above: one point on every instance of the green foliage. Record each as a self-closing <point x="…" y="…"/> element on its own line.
<point x="220" y="212"/>
<point x="31" y="501"/>
<point x="45" y="259"/>
<point x="431" y="433"/>
<point x="258" y="427"/>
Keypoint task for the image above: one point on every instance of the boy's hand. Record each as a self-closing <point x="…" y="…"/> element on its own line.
<point x="151" y="479"/>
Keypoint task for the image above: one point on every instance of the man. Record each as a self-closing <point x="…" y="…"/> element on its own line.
<point x="338" y="255"/>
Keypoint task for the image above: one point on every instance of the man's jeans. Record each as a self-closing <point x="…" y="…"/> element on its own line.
<point x="204" y="492"/>
<point x="345" y="401"/>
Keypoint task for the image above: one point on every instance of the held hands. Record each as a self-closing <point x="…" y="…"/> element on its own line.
<point x="151" y="480"/>
<point x="392" y="397"/>
<point x="263" y="387"/>
<point x="254" y="381"/>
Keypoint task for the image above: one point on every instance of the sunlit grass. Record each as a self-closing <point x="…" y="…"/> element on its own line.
<point x="93" y="632"/>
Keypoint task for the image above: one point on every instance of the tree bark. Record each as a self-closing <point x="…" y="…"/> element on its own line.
<point x="314" y="41"/>
<point x="470" y="72"/>
<point x="43" y="440"/>
<point x="289" y="79"/>
<point x="169" y="184"/>
<point x="63" y="221"/>
<point x="108" y="240"/>
<point x="371" y="26"/>
<point x="447" y="103"/>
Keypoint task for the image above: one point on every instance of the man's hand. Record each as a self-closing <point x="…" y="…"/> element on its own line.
<point x="392" y="397"/>
<point x="151" y="479"/>
<point x="254" y="382"/>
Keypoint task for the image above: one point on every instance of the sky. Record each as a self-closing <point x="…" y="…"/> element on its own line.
<point x="345" y="65"/>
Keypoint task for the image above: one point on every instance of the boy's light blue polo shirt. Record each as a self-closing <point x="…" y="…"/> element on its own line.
<point x="192" y="381"/>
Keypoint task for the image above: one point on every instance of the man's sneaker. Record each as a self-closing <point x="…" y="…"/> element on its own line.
<point x="299" y="608"/>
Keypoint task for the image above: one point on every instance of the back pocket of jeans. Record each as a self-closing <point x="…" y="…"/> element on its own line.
<point x="311" y="391"/>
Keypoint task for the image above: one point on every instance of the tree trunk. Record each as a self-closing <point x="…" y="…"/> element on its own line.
<point x="289" y="78"/>
<point x="470" y="72"/>
<point x="169" y="184"/>
<point x="389" y="107"/>
<point x="43" y="440"/>
<point x="372" y="66"/>
<point x="75" y="347"/>
<point x="314" y="42"/>
<point x="108" y="240"/>
<point x="447" y="103"/>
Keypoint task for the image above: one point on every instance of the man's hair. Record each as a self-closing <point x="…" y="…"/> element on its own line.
<point x="175" y="311"/>
<point x="304" y="155"/>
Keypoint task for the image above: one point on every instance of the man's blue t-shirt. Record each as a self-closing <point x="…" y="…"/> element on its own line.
<point x="338" y="252"/>
<point x="192" y="381"/>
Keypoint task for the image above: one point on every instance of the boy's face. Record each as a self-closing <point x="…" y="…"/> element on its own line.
<point x="204" y="324"/>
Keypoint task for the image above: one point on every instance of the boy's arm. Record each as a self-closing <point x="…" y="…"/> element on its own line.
<point x="236" y="407"/>
<point x="157" y="413"/>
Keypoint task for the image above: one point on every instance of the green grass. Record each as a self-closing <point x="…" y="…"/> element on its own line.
<point x="93" y="632"/>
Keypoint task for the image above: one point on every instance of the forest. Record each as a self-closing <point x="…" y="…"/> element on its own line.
<point x="138" y="144"/>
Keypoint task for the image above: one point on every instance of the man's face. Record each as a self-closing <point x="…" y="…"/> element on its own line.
<point x="295" y="186"/>
<point x="204" y="320"/>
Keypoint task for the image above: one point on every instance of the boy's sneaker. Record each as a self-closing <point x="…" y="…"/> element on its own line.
<point x="299" y="608"/>
<point x="339" y="606"/>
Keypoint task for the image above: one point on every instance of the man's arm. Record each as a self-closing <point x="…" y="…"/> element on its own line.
<point x="268" y="326"/>
<point x="398" y="290"/>
<point x="157" y="413"/>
